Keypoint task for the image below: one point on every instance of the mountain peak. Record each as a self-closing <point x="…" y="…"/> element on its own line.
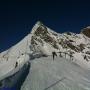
<point x="36" y="26"/>
<point x="39" y="23"/>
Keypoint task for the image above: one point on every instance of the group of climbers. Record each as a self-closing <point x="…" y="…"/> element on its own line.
<point x="54" y="54"/>
<point x="70" y="54"/>
<point x="60" y="54"/>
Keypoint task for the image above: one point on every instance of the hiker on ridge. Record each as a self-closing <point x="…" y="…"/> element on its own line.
<point x="54" y="54"/>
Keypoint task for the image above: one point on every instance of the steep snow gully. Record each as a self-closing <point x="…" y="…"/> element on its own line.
<point x="29" y="64"/>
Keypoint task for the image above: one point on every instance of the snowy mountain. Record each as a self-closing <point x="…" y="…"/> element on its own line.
<point x="41" y="42"/>
<point x="44" y="40"/>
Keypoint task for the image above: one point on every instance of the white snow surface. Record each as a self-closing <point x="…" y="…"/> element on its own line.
<point x="60" y="74"/>
<point x="8" y="59"/>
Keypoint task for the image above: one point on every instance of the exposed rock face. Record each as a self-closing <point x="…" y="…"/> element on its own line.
<point x="42" y="34"/>
<point x="68" y="40"/>
<point x="86" y="31"/>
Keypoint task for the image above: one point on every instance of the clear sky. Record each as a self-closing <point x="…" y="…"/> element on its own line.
<point x="18" y="17"/>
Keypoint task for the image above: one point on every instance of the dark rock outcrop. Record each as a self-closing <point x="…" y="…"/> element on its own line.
<point x="86" y="31"/>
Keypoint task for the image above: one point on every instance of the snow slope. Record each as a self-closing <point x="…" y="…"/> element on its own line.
<point x="42" y="41"/>
<point x="8" y="59"/>
<point x="60" y="74"/>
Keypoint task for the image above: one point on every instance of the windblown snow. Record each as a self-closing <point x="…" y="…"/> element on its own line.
<point x="69" y="71"/>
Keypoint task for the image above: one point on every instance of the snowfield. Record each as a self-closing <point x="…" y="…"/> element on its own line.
<point x="60" y="74"/>
<point x="7" y="68"/>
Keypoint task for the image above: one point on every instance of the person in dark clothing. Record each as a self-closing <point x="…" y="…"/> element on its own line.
<point x="60" y="54"/>
<point x="54" y="54"/>
<point x="16" y="64"/>
<point x="71" y="57"/>
<point x="85" y="57"/>
<point x="22" y="54"/>
<point x="65" y="54"/>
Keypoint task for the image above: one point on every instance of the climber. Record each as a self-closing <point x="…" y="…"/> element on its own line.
<point x="54" y="54"/>
<point x="60" y="54"/>
<point x="85" y="57"/>
<point x="65" y="54"/>
<point x="16" y="64"/>
<point x="71" y="57"/>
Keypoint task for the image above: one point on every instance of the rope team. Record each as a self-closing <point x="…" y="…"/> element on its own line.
<point x="54" y="54"/>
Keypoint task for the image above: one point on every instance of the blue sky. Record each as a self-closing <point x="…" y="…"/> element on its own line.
<point x="17" y="18"/>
